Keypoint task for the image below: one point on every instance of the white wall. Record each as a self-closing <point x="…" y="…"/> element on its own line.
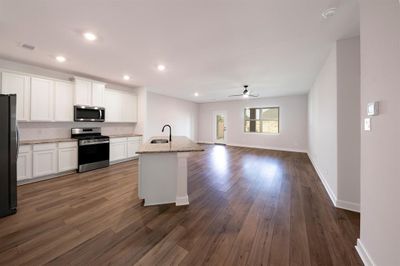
<point x="349" y="126"/>
<point x="293" y="123"/>
<point x="322" y="124"/>
<point x="334" y="124"/>
<point x="180" y="114"/>
<point x="380" y="164"/>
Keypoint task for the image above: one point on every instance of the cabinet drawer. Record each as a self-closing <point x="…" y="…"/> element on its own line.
<point x="63" y="145"/>
<point x="45" y="147"/>
<point x="135" y="139"/>
<point x="25" y="148"/>
<point x="118" y="140"/>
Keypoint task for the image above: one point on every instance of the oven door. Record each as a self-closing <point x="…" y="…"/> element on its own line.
<point x="89" y="114"/>
<point x="93" y="155"/>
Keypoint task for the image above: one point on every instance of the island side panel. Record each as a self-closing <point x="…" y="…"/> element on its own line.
<point x="182" y="197"/>
<point x="158" y="178"/>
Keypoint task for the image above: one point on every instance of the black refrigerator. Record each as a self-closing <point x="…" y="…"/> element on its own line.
<point x="8" y="154"/>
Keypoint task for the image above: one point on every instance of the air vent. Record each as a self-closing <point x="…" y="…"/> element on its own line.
<point x="28" y="46"/>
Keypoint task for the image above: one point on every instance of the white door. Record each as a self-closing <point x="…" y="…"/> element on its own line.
<point x="24" y="163"/>
<point x="20" y="85"/>
<point x="63" y="101"/>
<point x="42" y="99"/>
<point x="98" y="94"/>
<point x="219" y="127"/>
<point x="83" y="92"/>
<point x="44" y="159"/>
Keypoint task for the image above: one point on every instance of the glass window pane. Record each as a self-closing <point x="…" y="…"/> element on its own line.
<point x="247" y="126"/>
<point x="270" y="127"/>
<point x="258" y="126"/>
<point x="247" y="113"/>
<point x="270" y="114"/>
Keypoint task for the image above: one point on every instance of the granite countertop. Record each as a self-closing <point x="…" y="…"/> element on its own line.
<point x="43" y="141"/>
<point x="178" y="144"/>
<point x="124" y="135"/>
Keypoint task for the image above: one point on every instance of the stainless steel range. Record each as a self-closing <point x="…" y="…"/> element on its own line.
<point x="93" y="148"/>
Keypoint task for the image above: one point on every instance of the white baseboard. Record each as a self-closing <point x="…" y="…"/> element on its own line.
<point x="342" y="204"/>
<point x="180" y="201"/>
<point x="257" y="147"/>
<point x="125" y="160"/>
<point x="347" y="205"/>
<point x="362" y="252"/>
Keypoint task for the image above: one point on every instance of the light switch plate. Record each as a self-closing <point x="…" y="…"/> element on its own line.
<point x="373" y="108"/>
<point x="367" y="124"/>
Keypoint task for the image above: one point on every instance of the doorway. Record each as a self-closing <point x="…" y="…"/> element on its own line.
<point x="219" y="128"/>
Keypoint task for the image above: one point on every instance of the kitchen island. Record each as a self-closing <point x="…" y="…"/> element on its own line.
<point x="163" y="170"/>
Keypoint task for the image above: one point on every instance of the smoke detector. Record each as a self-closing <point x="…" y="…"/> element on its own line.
<point x="327" y="13"/>
<point x="27" y="46"/>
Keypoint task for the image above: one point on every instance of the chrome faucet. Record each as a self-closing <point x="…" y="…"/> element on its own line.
<point x="170" y="136"/>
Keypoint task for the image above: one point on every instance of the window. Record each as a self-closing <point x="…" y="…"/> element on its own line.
<point x="261" y="120"/>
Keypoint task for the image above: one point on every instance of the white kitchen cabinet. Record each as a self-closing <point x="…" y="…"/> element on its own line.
<point x="63" y="101"/>
<point x="89" y="92"/>
<point x="67" y="156"/>
<point x="42" y="91"/>
<point x="44" y="159"/>
<point x="83" y="92"/>
<point x="18" y="84"/>
<point x="118" y="149"/>
<point x="121" y="106"/>
<point x="98" y="93"/>
<point x="24" y="162"/>
<point x="133" y="146"/>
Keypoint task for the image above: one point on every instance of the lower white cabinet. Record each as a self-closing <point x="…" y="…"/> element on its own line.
<point x="44" y="159"/>
<point x="24" y="162"/>
<point x="67" y="156"/>
<point x="124" y="148"/>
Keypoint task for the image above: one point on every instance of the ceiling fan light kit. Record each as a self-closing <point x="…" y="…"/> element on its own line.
<point x="245" y="94"/>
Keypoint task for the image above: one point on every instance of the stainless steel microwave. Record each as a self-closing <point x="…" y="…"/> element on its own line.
<point x="83" y="113"/>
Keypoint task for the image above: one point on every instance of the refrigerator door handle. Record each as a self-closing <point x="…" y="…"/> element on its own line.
<point x="17" y="133"/>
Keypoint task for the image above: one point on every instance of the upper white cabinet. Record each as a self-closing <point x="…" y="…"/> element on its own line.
<point x="121" y="106"/>
<point x="63" y="101"/>
<point x="98" y="94"/>
<point x="42" y="91"/>
<point x="18" y="84"/>
<point x="88" y="92"/>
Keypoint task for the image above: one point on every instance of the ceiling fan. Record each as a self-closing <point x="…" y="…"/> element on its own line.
<point x="246" y="93"/>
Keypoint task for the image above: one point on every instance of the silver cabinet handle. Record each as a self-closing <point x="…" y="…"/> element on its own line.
<point x="17" y="136"/>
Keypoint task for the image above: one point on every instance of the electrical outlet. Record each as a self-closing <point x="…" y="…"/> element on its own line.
<point x="367" y="124"/>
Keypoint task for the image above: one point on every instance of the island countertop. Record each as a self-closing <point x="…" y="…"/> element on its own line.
<point x="178" y="144"/>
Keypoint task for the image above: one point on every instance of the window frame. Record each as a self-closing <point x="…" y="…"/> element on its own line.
<point x="262" y="133"/>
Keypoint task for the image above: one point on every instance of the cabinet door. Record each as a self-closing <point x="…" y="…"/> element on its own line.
<point x="67" y="159"/>
<point x="20" y="85"/>
<point x="44" y="160"/>
<point x="118" y="151"/>
<point x="113" y="106"/>
<point x="83" y="92"/>
<point x="129" y="103"/>
<point x="24" y="163"/>
<point x="133" y="146"/>
<point x="63" y="101"/>
<point x="42" y="99"/>
<point x="98" y="94"/>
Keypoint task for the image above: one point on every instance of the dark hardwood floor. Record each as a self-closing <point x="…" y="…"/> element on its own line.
<point x="247" y="207"/>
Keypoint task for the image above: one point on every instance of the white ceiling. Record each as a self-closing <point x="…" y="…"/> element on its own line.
<point x="210" y="46"/>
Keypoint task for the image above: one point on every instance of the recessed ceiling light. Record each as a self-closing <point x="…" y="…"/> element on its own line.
<point x="126" y="77"/>
<point x="196" y="94"/>
<point x="61" y="58"/>
<point x="329" y="12"/>
<point x="90" y="36"/>
<point x="161" y="67"/>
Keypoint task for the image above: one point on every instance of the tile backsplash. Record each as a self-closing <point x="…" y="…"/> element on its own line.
<point x="54" y="130"/>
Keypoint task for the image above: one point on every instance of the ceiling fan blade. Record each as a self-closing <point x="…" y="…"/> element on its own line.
<point x="253" y="95"/>
<point x="235" y="95"/>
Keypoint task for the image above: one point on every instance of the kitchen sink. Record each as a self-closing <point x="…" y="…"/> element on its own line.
<point x="158" y="141"/>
